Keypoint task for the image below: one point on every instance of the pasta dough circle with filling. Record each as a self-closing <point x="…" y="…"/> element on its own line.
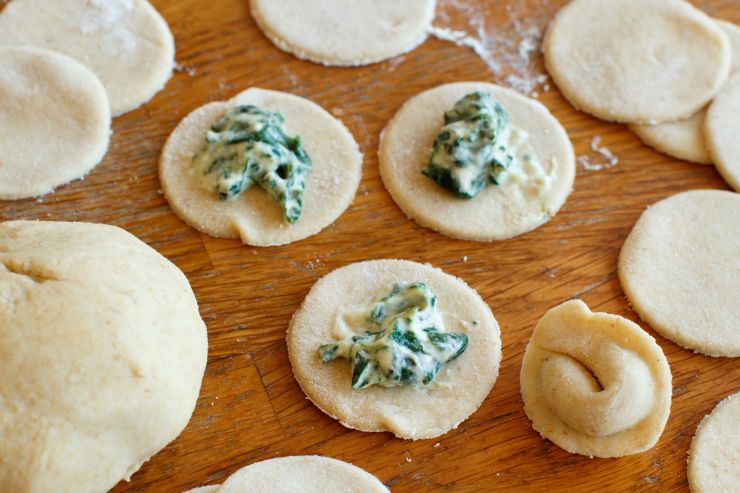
<point x="254" y="216"/>
<point x="595" y="384"/>
<point x="408" y="412"/>
<point x="499" y="212"/>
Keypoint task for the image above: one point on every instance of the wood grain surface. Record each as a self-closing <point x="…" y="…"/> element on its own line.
<point x="250" y="407"/>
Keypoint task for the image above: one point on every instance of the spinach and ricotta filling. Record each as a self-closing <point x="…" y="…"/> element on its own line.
<point x="471" y="151"/>
<point x="399" y="339"/>
<point x="249" y="145"/>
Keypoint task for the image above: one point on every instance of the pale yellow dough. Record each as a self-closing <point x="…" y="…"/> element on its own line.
<point x="54" y="121"/>
<point x="408" y="412"/>
<point x="685" y="139"/>
<point x="299" y="474"/>
<point x="344" y="32"/>
<point x="253" y="216"/>
<point x="499" y="212"/>
<point x="714" y="457"/>
<point x="722" y="130"/>
<point x="125" y="42"/>
<point x="595" y="384"/>
<point x="680" y="269"/>
<point x="636" y="61"/>
<point x="102" y="352"/>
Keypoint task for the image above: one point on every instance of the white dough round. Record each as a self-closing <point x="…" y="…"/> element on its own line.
<point x="254" y="216"/>
<point x="102" y="352"/>
<point x="299" y="474"/>
<point x="714" y="456"/>
<point x="125" y="42"/>
<point x="722" y="131"/>
<point x="685" y="139"/>
<point x="595" y="384"/>
<point x="499" y="212"/>
<point x="636" y="61"/>
<point x="344" y="32"/>
<point x="408" y="412"/>
<point x="680" y="270"/>
<point x="54" y="121"/>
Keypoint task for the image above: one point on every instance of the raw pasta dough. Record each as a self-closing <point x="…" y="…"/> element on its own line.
<point x="408" y="412"/>
<point x="125" y="42"/>
<point x="499" y="212"/>
<point x="679" y="269"/>
<point x="301" y="474"/>
<point x="344" y="32"/>
<point x="54" y="121"/>
<point x="715" y="450"/>
<point x="636" y="61"/>
<point x="102" y="352"/>
<point x="722" y="129"/>
<point x="595" y="384"/>
<point x="685" y="139"/>
<point x="254" y="216"/>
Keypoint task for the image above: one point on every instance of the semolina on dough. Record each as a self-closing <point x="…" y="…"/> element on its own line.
<point x="344" y="32"/>
<point x="408" y="412"/>
<point x="595" y="384"/>
<point x="54" y="120"/>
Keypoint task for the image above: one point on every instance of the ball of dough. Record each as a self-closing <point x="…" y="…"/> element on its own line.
<point x="722" y="131"/>
<point x="636" y="61"/>
<point x="301" y="474"/>
<point x="125" y="42"/>
<point x="680" y="268"/>
<point x="344" y="32"/>
<point x="715" y="450"/>
<point x="499" y="212"/>
<point x="102" y="352"/>
<point x="54" y="121"/>
<point x="254" y="216"/>
<point x="685" y="139"/>
<point x="408" y="412"/>
<point x="595" y="384"/>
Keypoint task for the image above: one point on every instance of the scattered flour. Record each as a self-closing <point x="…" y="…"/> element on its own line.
<point x="104" y="16"/>
<point x="607" y="159"/>
<point x="506" y="50"/>
<point x="185" y="68"/>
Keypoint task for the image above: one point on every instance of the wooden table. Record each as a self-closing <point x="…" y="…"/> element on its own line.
<point x="250" y="407"/>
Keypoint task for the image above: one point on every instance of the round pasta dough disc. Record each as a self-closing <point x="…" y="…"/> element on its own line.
<point x="499" y="212"/>
<point x="125" y="42"/>
<point x="685" y="139"/>
<point x="722" y="130"/>
<point x="679" y="269"/>
<point x="54" y="121"/>
<point x="715" y="450"/>
<point x="636" y="61"/>
<point x="595" y="384"/>
<point x="254" y="216"/>
<point x="300" y="474"/>
<point x="344" y="32"/>
<point x="204" y="489"/>
<point x="408" y="412"/>
<point x="102" y="352"/>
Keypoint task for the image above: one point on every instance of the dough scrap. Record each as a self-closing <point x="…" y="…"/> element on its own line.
<point x="722" y="131"/>
<point x="408" y="412"/>
<point x="715" y="450"/>
<point x="636" y="61"/>
<point x="54" y="121"/>
<point x="254" y="216"/>
<point x="498" y="213"/>
<point x="344" y="32"/>
<point x="685" y="139"/>
<point x="680" y="269"/>
<point x="102" y="353"/>
<point x="298" y="474"/>
<point x="126" y="43"/>
<point x="595" y="384"/>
